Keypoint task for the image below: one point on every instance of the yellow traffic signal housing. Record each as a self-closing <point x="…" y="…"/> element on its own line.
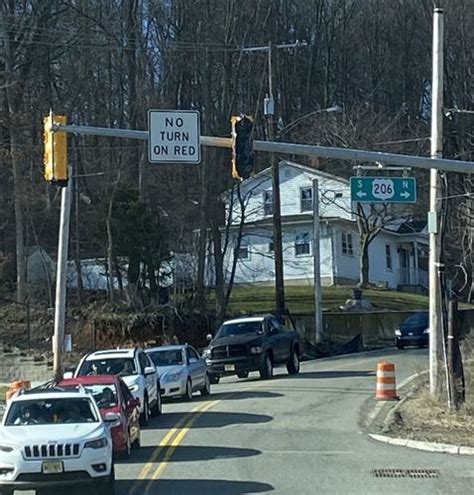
<point x="55" y="151"/>
<point x="242" y="152"/>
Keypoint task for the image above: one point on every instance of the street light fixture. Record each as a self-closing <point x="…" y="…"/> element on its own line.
<point x="333" y="109"/>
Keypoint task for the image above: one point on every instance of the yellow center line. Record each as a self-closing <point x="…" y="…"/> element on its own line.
<point x="163" y="444"/>
<point x="176" y="442"/>
<point x="179" y="431"/>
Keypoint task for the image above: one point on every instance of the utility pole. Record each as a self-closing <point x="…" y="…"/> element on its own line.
<point x="269" y="110"/>
<point x="60" y="305"/>
<point x="435" y="305"/>
<point x="318" y="310"/>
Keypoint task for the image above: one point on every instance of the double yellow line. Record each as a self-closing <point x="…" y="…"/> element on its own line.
<point x="168" y="445"/>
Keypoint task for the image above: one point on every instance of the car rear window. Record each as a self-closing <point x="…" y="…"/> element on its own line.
<point x="110" y="366"/>
<point x="105" y="395"/>
<point x="169" y="357"/>
<point x="50" y="412"/>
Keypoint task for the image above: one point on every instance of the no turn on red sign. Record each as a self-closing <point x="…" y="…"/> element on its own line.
<point x="174" y="136"/>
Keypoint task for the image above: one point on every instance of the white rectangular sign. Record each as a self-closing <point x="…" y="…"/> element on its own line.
<point x="174" y="136"/>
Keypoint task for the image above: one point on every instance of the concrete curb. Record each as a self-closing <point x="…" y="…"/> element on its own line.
<point x="426" y="446"/>
<point x="441" y="448"/>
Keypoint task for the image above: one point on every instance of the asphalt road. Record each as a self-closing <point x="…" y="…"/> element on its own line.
<point x="290" y="435"/>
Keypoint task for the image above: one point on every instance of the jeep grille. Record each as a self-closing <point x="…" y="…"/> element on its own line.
<point x="53" y="450"/>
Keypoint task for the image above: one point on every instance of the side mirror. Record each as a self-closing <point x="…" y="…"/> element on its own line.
<point x="209" y="337"/>
<point x="68" y="375"/>
<point x="192" y="360"/>
<point x="133" y="403"/>
<point x="149" y="370"/>
<point x="112" y="419"/>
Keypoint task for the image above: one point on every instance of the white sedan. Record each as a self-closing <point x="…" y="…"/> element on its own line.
<point x="181" y="369"/>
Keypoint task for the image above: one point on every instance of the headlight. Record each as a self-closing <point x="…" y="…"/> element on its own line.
<point x="7" y="448"/>
<point x="256" y="350"/>
<point x="398" y="333"/>
<point x="206" y="353"/>
<point x="134" y="388"/>
<point x="99" y="443"/>
<point x="426" y="331"/>
<point x="172" y="377"/>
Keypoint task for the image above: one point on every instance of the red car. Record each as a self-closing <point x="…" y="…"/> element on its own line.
<point x="112" y="395"/>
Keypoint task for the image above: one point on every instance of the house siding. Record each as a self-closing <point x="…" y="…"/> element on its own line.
<point x="260" y="266"/>
<point x="292" y="180"/>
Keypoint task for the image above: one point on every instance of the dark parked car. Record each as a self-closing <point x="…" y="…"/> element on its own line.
<point x="413" y="331"/>
<point x="256" y="343"/>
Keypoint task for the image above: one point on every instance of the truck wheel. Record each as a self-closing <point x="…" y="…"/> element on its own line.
<point x="243" y="374"/>
<point x="293" y="364"/>
<point x="266" y="369"/>
<point x="214" y="379"/>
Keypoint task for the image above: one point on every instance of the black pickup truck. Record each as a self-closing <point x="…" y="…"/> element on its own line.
<point x="256" y="343"/>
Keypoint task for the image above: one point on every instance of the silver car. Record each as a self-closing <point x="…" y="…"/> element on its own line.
<point x="181" y="369"/>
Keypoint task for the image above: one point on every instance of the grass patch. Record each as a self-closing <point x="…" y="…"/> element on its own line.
<point x="300" y="299"/>
<point x="425" y="418"/>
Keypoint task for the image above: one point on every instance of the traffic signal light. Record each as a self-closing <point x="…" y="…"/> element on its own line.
<point x="55" y="151"/>
<point x="242" y="153"/>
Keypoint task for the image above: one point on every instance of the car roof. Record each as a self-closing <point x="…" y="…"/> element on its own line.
<point x="111" y="354"/>
<point x="247" y="319"/>
<point x="175" y="347"/>
<point x="91" y="380"/>
<point x="54" y="394"/>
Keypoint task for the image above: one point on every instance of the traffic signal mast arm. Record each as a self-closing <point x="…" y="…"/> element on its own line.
<point x="424" y="162"/>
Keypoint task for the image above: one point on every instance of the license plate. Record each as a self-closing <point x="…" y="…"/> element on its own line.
<point x="229" y="367"/>
<point x="53" y="467"/>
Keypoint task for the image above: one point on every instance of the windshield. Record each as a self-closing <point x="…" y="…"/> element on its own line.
<point x="50" y="412"/>
<point x="418" y="319"/>
<point x="240" y="328"/>
<point x="169" y="357"/>
<point x="105" y="395"/>
<point x="111" y="366"/>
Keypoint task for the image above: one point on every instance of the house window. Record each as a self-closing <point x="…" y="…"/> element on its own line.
<point x="268" y="203"/>
<point x="271" y="245"/>
<point x="244" y="251"/>
<point x="388" y="256"/>
<point x="302" y="244"/>
<point x="347" y="244"/>
<point x="306" y="198"/>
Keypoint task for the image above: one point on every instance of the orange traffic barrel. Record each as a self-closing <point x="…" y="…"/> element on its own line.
<point x="15" y="386"/>
<point x="386" y="386"/>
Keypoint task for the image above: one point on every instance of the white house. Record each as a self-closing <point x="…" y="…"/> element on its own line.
<point x="397" y="256"/>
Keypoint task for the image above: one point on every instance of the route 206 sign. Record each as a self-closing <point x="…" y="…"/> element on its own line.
<point x="383" y="189"/>
<point x="174" y="136"/>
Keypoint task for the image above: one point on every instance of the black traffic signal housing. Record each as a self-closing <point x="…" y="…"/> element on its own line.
<point x="242" y="147"/>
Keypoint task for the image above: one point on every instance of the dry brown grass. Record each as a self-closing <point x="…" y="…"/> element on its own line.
<point x="423" y="417"/>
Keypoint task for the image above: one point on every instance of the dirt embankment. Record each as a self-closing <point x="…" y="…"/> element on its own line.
<point x="427" y="418"/>
<point x="97" y="325"/>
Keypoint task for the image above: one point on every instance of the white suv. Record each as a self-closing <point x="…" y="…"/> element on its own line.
<point x="51" y="438"/>
<point x="136" y="370"/>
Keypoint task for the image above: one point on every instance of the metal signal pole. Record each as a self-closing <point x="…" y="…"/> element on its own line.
<point x="60" y="311"/>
